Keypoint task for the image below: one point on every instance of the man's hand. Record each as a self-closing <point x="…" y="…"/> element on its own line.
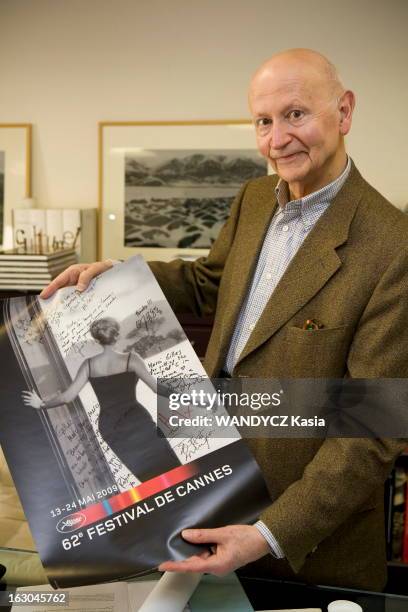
<point x="232" y="547"/>
<point x="78" y="274"/>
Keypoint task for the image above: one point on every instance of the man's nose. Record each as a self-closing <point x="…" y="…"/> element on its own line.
<point x="279" y="135"/>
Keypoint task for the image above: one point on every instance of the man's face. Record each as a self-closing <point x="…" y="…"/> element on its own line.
<point x="297" y="125"/>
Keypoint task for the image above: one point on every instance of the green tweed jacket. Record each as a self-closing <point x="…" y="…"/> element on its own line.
<point x="351" y="274"/>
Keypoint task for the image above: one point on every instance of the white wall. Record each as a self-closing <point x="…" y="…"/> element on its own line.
<point x="67" y="64"/>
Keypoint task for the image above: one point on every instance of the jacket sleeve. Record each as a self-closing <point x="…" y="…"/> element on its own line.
<point x="193" y="286"/>
<point x="346" y="474"/>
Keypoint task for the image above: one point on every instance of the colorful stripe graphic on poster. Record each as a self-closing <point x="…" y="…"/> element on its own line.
<point x="105" y="492"/>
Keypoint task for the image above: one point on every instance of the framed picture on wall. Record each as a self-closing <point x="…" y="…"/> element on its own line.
<point x="166" y="188"/>
<point x="15" y="174"/>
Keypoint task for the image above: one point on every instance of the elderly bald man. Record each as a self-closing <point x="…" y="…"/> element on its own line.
<point x="315" y="241"/>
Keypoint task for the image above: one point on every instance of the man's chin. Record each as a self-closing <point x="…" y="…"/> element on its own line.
<point x="291" y="176"/>
<point x="292" y="172"/>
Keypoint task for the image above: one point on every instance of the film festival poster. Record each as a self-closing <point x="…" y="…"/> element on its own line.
<point x="105" y="489"/>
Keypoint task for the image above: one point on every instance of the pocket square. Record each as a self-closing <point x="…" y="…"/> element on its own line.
<point x="312" y="324"/>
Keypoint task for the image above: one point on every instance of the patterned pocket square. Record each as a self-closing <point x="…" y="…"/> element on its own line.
<point x="312" y="324"/>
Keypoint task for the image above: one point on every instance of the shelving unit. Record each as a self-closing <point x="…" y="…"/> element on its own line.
<point x="397" y="570"/>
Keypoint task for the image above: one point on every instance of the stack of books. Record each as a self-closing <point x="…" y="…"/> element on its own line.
<point x="58" y="225"/>
<point x="30" y="270"/>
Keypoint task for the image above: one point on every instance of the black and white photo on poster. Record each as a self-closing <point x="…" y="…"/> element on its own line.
<point x="181" y="198"/>
<point x="79" y="430"/>
<point x="2" y="173"/>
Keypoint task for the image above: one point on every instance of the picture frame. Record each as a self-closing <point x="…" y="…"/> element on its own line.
<point x="15" y="175"/>
<point x="165" y="188"/>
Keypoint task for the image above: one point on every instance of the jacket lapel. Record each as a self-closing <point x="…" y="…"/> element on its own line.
<point x="254" y="229"/>
<point x="254" y="223"/>
<point x="313" y="265"/>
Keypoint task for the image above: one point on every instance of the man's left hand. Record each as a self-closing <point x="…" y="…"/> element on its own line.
<point x="231" y="546"/>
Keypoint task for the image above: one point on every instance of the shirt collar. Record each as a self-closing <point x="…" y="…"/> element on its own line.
<point x="305" y="207"/>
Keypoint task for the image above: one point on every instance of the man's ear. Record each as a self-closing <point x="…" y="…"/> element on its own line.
<point x="346" y="107"/>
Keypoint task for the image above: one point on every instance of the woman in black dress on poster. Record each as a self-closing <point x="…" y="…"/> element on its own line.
<point x="124" y="424"/>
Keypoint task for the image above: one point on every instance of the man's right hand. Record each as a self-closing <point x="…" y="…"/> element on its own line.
<point x="78" y="274"/>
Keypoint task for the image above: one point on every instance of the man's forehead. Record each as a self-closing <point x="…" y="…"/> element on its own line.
<point x="303" y="74"/>
<point x="285" y="91"/>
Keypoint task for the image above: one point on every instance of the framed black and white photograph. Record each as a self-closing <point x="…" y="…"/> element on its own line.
<point x="166" y="188"/>
<point x="2" y="157"/>
<point x="15" y="175"/>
